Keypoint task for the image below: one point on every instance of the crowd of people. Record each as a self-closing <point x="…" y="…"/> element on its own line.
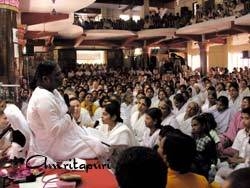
<point x="192" y="122"/>
<point x="168" y="19"/>
<point x="221" y="10"/>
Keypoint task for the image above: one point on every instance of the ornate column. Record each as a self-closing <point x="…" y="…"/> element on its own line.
<point x="8" y="12"/>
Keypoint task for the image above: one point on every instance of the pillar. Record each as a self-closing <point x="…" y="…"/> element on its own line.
<point x="8" y="12"/>
<point x="203" y="58"/>
<point x="145" y="9"/>
<point x="104" y="12"/>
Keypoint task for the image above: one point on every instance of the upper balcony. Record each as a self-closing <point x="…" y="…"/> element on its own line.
<point x="71" y="30"/>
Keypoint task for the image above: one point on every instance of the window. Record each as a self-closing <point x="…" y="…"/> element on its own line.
<point x="235" y="59"/>
<point x="126" y="17"/>
<point x="90" y="57"/>
<point x="194" y="61"/>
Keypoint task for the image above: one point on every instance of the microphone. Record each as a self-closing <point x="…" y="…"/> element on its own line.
<point x="66" y="99"/>
<point x="96" y="124"/>
<point x="5" y="131"/>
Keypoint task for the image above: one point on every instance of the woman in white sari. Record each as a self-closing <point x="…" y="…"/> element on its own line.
<point x="116" y="134"/>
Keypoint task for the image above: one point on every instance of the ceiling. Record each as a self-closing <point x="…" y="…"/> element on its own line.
<point x="152" y="3"/>
<point x="62" y="6"/>
<point x="58" y="27"/>
<point x="44" y="24"/>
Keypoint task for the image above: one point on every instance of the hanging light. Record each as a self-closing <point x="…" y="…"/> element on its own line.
<point x="53" y="12"/>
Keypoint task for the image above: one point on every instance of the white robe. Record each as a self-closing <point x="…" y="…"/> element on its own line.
<point x="126" y="113"/>
<point x="120" y="135"/>
<point x="205" y="108"/>
<point x="54" y="134"/>
<point x="18" y="122"/>
<point x="98" y="114"/>
<point x="138" y="125"/>
<point x="85" y="120"/>
<point x="150" y="141"/>
<point x="184" y="125"/>
<point x="236" y="105"/>
<point x="244" y="93"/>
<point x="170" y="120"/>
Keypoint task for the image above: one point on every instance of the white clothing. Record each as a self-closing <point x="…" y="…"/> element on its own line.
<point x="126" y="113"/>
<point x="184" y="125"/>
<point x="240" y="142"/>
<point x="170" y="120"/>
<point x="120" y="135"/>
<point x="54" y="134"/>
<point x="183" y="109"/>
<point x="84" y="120"/>
<point x="154" y="102"/>
<point x="222" y="93"/>
<point x="236" y="104"/>
<point x="24" y="107"/>
<point x="150" y="140"/>
<point x="18" y="122"/>
<point x="134" y="108"/>
<point x="138" y="125"/>
<point x="98" y="113"/>
<point x="196" y="99"/>
<point x="244" y="93"/>
<point x="205" y="108"/>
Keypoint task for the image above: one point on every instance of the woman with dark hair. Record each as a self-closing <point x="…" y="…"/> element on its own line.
<point x="102" y="102"/>
<point x="153" y="124"/>
<point x="115" y="132"/>
<point x="49" y="119"/>
<point x="137" y="120"/>
<point x="211" y="125"/>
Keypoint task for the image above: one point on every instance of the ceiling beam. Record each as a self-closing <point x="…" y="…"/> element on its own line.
<point x="153" y="41"/>
<point x="39" y="34"/>
<point x="129" y="40"/>
<point x="152" y="3"/>
<point x="218" y="40"/>
<point x="190" y="37"/>
<point x="241" y="28"/>
<point x="79" y="40"/>
<point x="32" y="18"/>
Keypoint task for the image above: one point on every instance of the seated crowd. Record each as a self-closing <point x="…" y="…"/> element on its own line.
<point x="156" y="19"/>
<point x="193" y="122"/>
